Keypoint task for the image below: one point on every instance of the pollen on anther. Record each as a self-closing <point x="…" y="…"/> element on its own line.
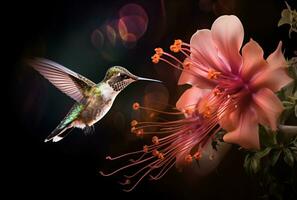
<point x="136" y="106"/>
<point x="159" y="51"/>
<point x="197" y="155"/>
<point x="175" y="48"/>
<point x="161" y="156"/>
<point x="145" y="148"/>
<point x="139" y="132"/>
<point x="155" y="58"/>
<point x="188" y="158"/>
<point x="212" y="74"/>
<point x="178" y="42"/>
<point x="155" y="140"/>
<point x="155" y="153"/>
<point x="133" y="129"/>
<point x="187" y="65"/>
<point x="216" y="92"/>
<point x="134" y="123"/>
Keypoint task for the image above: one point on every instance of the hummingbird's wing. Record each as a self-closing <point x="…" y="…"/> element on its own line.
<point x="69" y="82"/>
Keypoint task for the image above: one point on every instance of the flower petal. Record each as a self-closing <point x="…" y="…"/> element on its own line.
<point x="277" y="59"/>
<point x="190" y="98"/>
<point x="246" y="133"/>
<point x="204" y="51"/>
<point x="253" y="61"/>
<point x="227" y="33"/>
<point x="229" y="121"/>
<point x="275" y="76"/>
<point x="195" y="77"/>
<point x="268" y="106"/>
<point x="274" y="79"/>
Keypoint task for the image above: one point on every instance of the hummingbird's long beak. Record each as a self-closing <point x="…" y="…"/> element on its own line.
<point x="148" y="79"/>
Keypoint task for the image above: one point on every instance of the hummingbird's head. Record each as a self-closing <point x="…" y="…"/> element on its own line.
<point x="118" y="78"/>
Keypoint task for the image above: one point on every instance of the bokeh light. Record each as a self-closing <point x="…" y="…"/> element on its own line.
<point x="127" y="28"/>
<point x="97" y="38"/>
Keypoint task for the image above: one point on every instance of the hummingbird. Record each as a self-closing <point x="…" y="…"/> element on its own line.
<point x="93" y="101"/>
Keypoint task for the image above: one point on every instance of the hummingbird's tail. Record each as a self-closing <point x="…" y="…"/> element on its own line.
<point x="59" y="133"/>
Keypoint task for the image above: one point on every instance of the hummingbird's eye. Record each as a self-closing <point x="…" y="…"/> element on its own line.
<point x="124" y="76"/>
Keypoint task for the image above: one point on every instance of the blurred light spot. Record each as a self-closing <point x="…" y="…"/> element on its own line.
<point x="127" y="28"/>
<point x="111" y="34"/>
<point x="135" y="25"/>
<point x="97" y="38"/>
<point x="156" y="96"/>
<point x="132" y="23"/>
<point x="133" y="10"/>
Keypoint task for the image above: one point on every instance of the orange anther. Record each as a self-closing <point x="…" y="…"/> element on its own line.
<point x="207" y="112"/>
<point x="155" y="140"/>
<point x="188" y="111"/>
<point x="155" y="58"/>
<point x="175" y="48"/>
<point x="187" y="65"/>
<point x="217" y="92"/>
<point x="139" y="132"/>
<point x="159" y="51"/>
<point x="161" y="156"/>
<point x="134" y="123"/>
<point x="133" y="129"/>
<point x="155" y="153"/>
<point x="188" y="158"/>
<point x="197" y="155"/>
<point x="145" y="148"/>
<point x="178" y="42"/>
<point x="212" y="74"/>
<point x="135" y="106"/>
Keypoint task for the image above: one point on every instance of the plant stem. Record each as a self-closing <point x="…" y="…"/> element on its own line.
<point x="289" y="131"/>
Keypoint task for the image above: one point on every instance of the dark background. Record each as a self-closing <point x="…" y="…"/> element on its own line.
<point x="61" y="31"/>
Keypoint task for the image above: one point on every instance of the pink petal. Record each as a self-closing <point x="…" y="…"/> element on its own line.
<point x="190" y="98"/>
<point x="229" y="121"/>
<point x="195" y="77"/>
<point x="204" y="51"/>
<point x="277" y="59"/>
<point x="274" y="79"/>
<point x="275" y="76"/>
<point x="269" y="107"/>
<point x="253" y="61"/>
<point x="227" y="33"/>
<point x="246" y="133"/>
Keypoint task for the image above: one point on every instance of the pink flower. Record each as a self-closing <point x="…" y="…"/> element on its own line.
<point x="248" y="80"/>
<point x="229" y="90"/>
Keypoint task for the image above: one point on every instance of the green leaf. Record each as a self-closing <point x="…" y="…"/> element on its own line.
<point x="266" y="138"/>
<point x="288" y="157"/>
<point x="261" y="154"/>
<point x="214" y="144"/>
<point x="255" y="164"/>
<point x="247" y="162"/>
<point x="288" y="104"/>
<point x="275" y="157"/>
<point x="285" y="17"/>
